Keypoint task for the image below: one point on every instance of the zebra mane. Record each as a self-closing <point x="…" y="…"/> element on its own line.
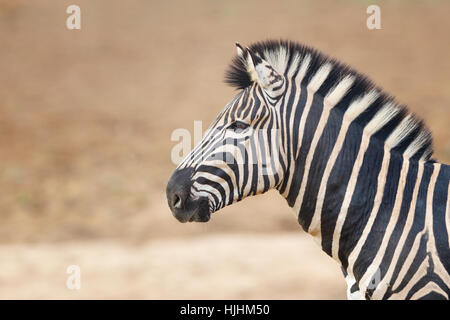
<point x="408" y="134"/>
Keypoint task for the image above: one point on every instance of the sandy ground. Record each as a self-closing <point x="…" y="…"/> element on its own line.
<point x="86" y="119"/>
<point x="231" y="266"/>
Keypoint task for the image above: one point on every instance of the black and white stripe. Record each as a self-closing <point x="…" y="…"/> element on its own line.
<point x="355" y="166"/>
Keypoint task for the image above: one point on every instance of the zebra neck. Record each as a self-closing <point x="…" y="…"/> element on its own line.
<point x="338" y="177"/>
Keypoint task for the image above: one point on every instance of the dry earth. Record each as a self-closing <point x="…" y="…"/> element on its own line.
<point x="231" y="266"/>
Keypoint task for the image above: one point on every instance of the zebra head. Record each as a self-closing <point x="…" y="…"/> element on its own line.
<point x="241" y="153"/>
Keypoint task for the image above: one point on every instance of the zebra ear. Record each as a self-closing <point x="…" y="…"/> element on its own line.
<point x="240" y="51"/>
<point x="259" y="70"/>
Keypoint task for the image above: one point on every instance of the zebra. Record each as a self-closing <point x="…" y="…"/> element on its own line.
<point x="355" y="166"/>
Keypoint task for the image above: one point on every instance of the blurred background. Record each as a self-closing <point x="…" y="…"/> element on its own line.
<point x="86" y="118"/>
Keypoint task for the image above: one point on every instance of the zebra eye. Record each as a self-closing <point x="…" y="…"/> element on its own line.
<point x="238" y="126"/>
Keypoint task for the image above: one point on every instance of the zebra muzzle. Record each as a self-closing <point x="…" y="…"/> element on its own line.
<point x="183" y="207"/>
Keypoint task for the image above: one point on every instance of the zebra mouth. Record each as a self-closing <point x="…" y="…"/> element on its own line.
<point x="200" y="210"/>
<point x="200" y="218"/>
<point x="192" y="210"/>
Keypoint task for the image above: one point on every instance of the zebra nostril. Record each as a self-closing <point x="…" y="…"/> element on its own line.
<point x="176" y="202"/>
